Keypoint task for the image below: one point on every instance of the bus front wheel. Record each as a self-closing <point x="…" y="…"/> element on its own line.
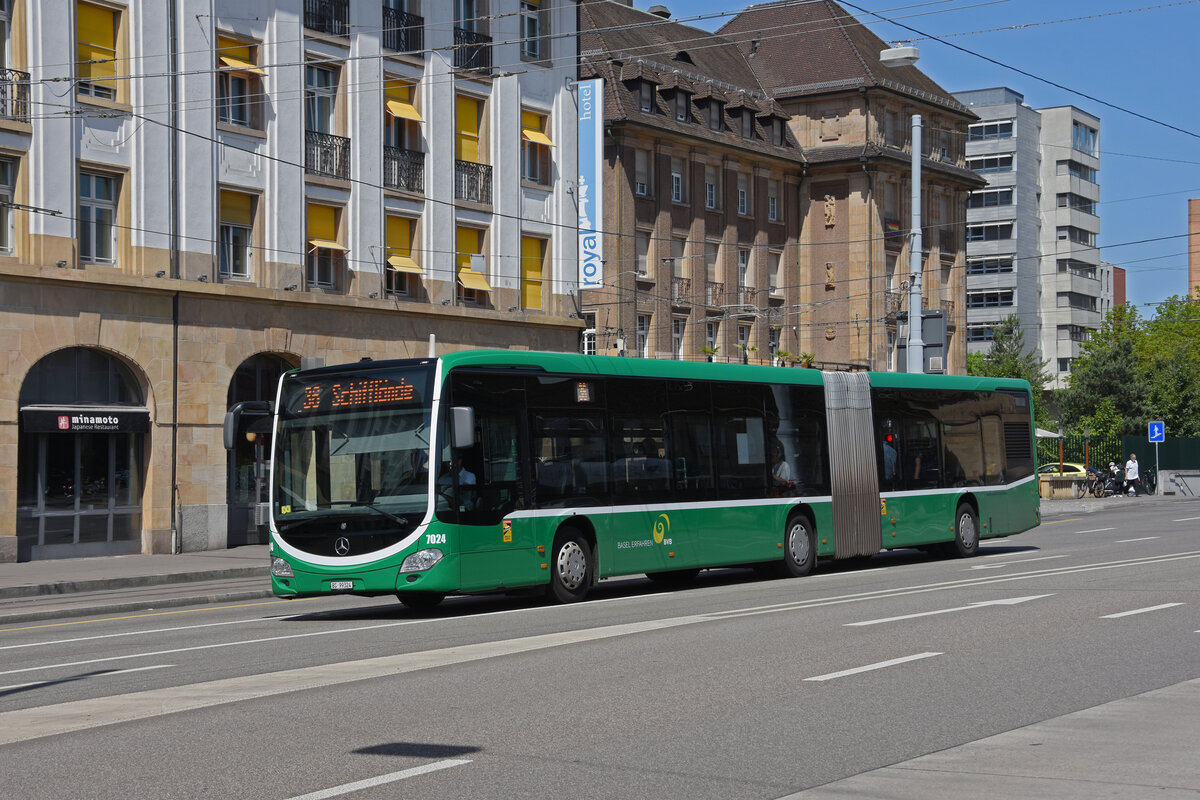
<point x="570" y="567"/>
<point x="966" y="531"/>
<point x="799" y="546"/>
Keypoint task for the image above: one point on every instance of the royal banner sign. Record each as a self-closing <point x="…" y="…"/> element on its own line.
<point x="591" y="201"/>
<point x="83" y="419"/>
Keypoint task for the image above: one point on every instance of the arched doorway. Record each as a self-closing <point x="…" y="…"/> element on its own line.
<point x="81" y="457"/>
<point x="256" y="379"/>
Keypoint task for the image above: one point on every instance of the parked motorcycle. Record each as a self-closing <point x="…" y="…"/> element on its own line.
<point x="1107" y="483"/>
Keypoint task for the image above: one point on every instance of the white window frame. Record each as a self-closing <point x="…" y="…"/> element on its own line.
<point x="230" y="245"/>
<point x="320" y="99"/>
<point x="678" y="333"/>
<point x="89" y="205"/>
<point x="8" y="168"/>
<point x="531" y="27"/>
<point x="643" y="335"/>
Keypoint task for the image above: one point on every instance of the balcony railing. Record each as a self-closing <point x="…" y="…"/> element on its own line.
<point x="14" y="95"/>
<point x="472" y="50"/>
<point x="473" y="181"/>
<point x="713" y="293"/>
<point x="403" y="169"/>
<point x="402" y="31"/>
<point x="328" y="16"/>
<point x="891" y="303"/>
<point x="680" y="288"/>
<point x="326" y="154"/>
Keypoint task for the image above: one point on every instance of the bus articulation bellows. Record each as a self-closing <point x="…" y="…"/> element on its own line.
<point x="487" y="471"/>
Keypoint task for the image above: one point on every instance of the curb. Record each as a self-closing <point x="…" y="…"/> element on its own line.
<point x="145" y="605"/>
<point x="132" y="582"/>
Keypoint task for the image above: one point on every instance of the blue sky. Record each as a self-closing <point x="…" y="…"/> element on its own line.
<point x="1146" y="61"/>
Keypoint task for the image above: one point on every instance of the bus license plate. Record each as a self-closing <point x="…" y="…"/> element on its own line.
<point x="336" y="585"/>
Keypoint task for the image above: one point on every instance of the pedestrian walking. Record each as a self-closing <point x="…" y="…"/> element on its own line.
<point x="1132" y="481"/>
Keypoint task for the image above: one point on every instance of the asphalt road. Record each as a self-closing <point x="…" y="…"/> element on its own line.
<point x="734" y="688"/>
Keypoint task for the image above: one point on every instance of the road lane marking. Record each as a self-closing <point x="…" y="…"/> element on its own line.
<point x="1140" y="611"/>
<point x="1024" y="561"/>
<point x="208" y="608"/>
<point x="83" y="677"/>
<point x="971" y="606"/>
<point x="868" y="668"/>
<point x="1097" y="530"/>
<point x="37" y="722"/>
<point x="1143" y="539"/>
<point x="391" y="777"/>
<point x="1061" y="521"/>
<point x="1186" y="519"/>
<point x="136" y="633"/>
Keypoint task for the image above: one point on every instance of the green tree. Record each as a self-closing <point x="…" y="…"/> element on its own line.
<point x="1009" y="357"/>
<point x="1169" y="361"/>
<point x="1107" y="368"/>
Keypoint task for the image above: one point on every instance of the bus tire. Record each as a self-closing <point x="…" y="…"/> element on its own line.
<point x="799" y="546"/>
<point x="420" y="601"/>
<point x="966" y="531"/>
<point x="570" y="567"/>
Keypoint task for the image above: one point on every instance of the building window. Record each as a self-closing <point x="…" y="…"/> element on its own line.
<point x="237" y="225"/>
<point x="1083" y="138"/>
<point x="403" y="271"/>
<point x="643" y="335"/>
<point x="96" y="50"/>
<point x="587" y="344"/>
<point x="1077" y="202"/>
<point x="743" y="341"/>
<point x="535" y="148"/>
<point x="991" y="232"/>
<point x="711" y="329"/>
<point x="1079" y="268"/>
<point x="641" y="248"/>
<point x="683" y="102"/>
<point x="1074" y="333"/>
<point x="238" y="83"/>
<point x="775" y="271"/>
<point x="712" y="187"/>
<point x="533" y="261"/>
<point x="320" y="94"/>
<point x="987" y="164"/>
<point x="745" y="183"/>
<point x="980" y="333"/>
<point x="1064" y="364"/>
<point x="989" y="266"/>
<point x="646" y="96"/>
<point x="745" y="294"/>
<point x="1077" y="170"/>
<point x="778" y="132"/>
<point x="712" y="253"/>
<point x="773" y="200"/>
<point x="678" y="328"/>
<point x="7" y="169"/>
<point x="326" y="255"/>
<point x="1083" y="302"/>
<point x="891" y="129"/>
<point x="1070" y="233"/>
<point x="401" y="120"/>
<point x="990" y="299"/>
<point x="716" y="115"/>
<point x="983" y="131"/>
<point x="990" y="198"/>
<point x="641" y="172"/>
<point x="97" y="215"/>
<point x="747" y="124"/>
<point x="678" y="180"/>
<point x="472" y="281"/>
<point x="531" y="29"/>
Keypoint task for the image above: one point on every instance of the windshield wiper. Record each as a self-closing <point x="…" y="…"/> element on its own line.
<point x="401" y="521"/>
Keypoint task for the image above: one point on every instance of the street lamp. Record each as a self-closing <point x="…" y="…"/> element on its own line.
<point x="906" y="56"/>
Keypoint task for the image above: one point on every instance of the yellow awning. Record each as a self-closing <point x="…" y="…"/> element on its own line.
<point x="399" y="108"/>
<point x="536" y="136"/>
<point x="405" y="264"/>
<point x="326" y="244"/>
<point x="470" y="279"/>
<point x="238" y="64"/>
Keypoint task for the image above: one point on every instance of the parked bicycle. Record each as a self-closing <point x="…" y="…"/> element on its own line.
<point x="1149" y="480"/>
<point x="1107" y="483"/>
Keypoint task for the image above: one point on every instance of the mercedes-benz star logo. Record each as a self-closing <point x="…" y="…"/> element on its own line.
<point x="342" y="546"/>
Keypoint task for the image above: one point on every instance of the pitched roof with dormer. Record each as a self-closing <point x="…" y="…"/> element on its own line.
<point x="801" y="49"/>
<point x="624" y="46"/>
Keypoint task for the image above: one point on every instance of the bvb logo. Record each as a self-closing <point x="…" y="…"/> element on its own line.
<point x="662" y="526"/>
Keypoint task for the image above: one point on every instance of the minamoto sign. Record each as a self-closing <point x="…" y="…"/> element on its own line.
<point x="84" y="419"/>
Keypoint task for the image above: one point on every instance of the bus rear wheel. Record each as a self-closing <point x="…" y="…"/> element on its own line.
<point x="799" y="546"/>
<point x="570" y="567"/>
<point x="966" y="532"/>
<point x="420" y="601"/>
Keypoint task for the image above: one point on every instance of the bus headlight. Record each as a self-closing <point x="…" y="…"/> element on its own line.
<point x="421" y="560"/>
<point x="281" y="568"/>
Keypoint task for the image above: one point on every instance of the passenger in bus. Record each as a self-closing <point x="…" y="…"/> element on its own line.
<point x="781" y="474"/>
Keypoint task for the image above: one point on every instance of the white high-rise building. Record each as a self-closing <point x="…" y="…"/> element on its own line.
<point x="1031" y="233"/>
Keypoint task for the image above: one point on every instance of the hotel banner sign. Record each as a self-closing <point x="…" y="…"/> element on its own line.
<point x="590" y="199"/>
<point x="85" y="419"/>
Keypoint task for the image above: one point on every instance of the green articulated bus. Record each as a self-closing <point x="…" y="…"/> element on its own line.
<point x="488" y="471"/>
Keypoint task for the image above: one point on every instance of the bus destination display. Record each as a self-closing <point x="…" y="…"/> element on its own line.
<point x="361" y="393"/>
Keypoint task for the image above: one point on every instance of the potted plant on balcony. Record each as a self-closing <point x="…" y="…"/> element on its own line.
<point x="807" y="359"/>
<point x="783" y="357"/>
<point x="710" y="352"/>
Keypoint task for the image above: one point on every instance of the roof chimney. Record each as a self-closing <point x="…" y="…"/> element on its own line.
<point x="660" y="11"/>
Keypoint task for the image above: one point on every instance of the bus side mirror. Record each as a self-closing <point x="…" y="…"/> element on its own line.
<point x="462" y="427"/>
<point x="233" y="418"/>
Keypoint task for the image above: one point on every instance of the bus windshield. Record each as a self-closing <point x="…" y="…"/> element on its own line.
<point x="354" y="445"/>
